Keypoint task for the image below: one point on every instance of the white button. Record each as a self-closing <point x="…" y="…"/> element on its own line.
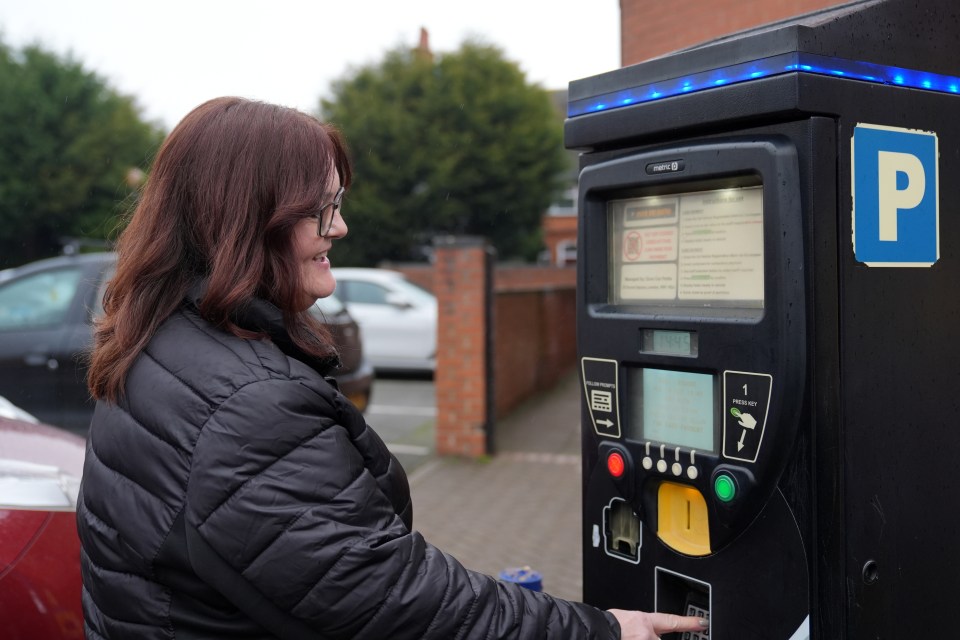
<point x="677" y="468"/>
<point x="692" y="472"/>
<point x="662" y="466"/>
<point x="647" y="463"/>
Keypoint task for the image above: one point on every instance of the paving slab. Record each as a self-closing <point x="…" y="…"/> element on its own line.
<point x="520" y="507"/>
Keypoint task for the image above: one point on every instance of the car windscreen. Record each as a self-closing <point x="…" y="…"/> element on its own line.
<point x="39" y="299"/>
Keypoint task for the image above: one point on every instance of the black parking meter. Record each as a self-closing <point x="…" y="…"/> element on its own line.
<point x="766" y="327"/>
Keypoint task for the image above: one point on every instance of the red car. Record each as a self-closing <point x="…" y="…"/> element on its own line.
<point x="40" y="586"/>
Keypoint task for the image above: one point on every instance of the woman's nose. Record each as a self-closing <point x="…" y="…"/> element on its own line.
<point x="338" y="228"/>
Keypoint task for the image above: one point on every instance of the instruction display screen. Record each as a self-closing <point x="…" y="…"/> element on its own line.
<point x="702" y="248"/>
<point x="675" y="408"/>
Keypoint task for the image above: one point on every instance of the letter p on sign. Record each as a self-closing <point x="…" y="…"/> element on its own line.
<point x="896" y="204"/>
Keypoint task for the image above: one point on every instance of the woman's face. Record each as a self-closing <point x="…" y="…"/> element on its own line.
<point x="311" y="251"/>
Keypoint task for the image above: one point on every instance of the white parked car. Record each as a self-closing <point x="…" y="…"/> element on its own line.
<point x="397" y="317"/>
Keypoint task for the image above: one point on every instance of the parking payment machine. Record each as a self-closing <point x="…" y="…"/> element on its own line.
<point x="767" y="327"/>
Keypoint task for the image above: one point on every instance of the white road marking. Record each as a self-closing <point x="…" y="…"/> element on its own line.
<point x="400" y="410"/>
<point x="546" y="458"/>
<point x="408" y="449"/>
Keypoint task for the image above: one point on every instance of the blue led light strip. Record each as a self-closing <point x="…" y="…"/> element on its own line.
<point x="765" y="68"/>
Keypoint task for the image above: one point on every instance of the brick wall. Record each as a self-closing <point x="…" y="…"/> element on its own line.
<point x="532" y="326"/>
<point x="534" y="331"/>
<point x="461" y="284"/>
<point x="520" y="278"/>
<point x="648" y="29"/>
<point x="535" y="342"/>
<point x="505" y="277"/>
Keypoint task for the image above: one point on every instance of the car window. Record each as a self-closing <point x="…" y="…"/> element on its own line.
<point x="39" y="299"/>
<point x="97" y="310"/>
<point x="415" y="293"/>
<point x="367" y="293"/>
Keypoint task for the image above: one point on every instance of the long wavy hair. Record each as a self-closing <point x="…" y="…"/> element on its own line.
<point x="227" y="187"/>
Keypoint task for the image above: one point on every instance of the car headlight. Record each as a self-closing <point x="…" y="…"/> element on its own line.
<point x="27" y="485"/>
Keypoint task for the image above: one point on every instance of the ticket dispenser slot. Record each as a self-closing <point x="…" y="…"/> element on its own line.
<point x="621" y="531"/>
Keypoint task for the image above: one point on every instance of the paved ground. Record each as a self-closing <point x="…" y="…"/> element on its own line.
<point x="403" y="412"/>
<point x="520" y="507"/>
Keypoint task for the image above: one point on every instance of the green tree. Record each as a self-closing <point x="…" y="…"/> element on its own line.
<point x="458" y="143"/>
<point x="68" y="143"/>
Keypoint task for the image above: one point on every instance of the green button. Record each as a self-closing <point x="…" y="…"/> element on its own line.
<point x="724" y="487"/>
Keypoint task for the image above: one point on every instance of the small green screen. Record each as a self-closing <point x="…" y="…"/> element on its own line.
<point x="676" y="343"/>
<point x="674" y="407"/>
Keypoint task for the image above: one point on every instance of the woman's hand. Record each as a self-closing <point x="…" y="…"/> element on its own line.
<point x="639" y="625"/>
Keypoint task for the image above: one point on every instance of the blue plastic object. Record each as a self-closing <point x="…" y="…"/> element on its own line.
<point x="523" y="576"/>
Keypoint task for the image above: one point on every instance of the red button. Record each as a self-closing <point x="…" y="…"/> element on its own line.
<point x="615" y="464"/>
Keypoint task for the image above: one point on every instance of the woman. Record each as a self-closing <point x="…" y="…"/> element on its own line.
<point x="229" y="489"/>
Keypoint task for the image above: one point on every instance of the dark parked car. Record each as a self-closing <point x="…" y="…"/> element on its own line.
<point x="40" y="469"/>
<point x="355" y="376"/>
<point x="46" y="313"/>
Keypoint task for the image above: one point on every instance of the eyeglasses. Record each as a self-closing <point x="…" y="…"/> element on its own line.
<point x="327" y="213"/>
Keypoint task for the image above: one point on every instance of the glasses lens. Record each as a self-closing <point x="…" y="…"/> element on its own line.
<point x="325" y="220"/>
<point x="327" y="212"/>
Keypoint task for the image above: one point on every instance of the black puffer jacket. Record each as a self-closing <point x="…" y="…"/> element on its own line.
<point x="235" y="493"/>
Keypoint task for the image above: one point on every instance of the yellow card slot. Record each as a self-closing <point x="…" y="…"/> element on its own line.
<point x="682" y="521"/>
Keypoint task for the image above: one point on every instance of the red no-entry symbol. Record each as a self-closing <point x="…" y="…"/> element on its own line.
<point x="632" y="245"/>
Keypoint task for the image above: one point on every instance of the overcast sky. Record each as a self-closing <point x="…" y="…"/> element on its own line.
<point x="174" y="54"/>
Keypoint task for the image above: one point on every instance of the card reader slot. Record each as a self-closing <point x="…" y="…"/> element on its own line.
<point x="686" y="596"/>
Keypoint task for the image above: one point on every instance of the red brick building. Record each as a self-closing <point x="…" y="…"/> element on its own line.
<point x="559" y="227"/>
<point x="651" y="29"/>
<point x="559" y="223"/>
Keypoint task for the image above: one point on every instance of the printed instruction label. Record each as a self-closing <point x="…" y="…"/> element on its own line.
<point x="700" y="246"/>
<point x="600" y="380"/>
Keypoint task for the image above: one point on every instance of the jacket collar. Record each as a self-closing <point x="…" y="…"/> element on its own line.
<point x="262" y="316"/>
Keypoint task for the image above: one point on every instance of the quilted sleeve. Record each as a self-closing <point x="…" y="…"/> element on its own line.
<point x="286" y="520"/>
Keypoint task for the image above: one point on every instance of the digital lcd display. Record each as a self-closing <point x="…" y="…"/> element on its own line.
<point x="674" y="343"/>
<point x="697" y="248"/>
<point x="676" y="408"/>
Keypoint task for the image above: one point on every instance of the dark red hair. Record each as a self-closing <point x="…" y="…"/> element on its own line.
<point x="226" y="189"/>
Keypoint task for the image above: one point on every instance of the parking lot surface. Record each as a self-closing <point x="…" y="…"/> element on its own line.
<point x="403" y="412"/>
<point x="521" y="507"/>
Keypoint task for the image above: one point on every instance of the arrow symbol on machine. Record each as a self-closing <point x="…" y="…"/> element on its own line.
<point x="743" y="435"/>
<point x="605" y="422"/>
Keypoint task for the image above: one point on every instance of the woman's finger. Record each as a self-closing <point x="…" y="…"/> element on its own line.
<point x="667" y="622"/>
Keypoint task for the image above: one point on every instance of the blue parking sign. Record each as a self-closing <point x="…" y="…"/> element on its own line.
<point x="896" y="202"/>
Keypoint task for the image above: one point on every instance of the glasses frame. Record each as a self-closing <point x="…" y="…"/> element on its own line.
<point x="327" y="213"/>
